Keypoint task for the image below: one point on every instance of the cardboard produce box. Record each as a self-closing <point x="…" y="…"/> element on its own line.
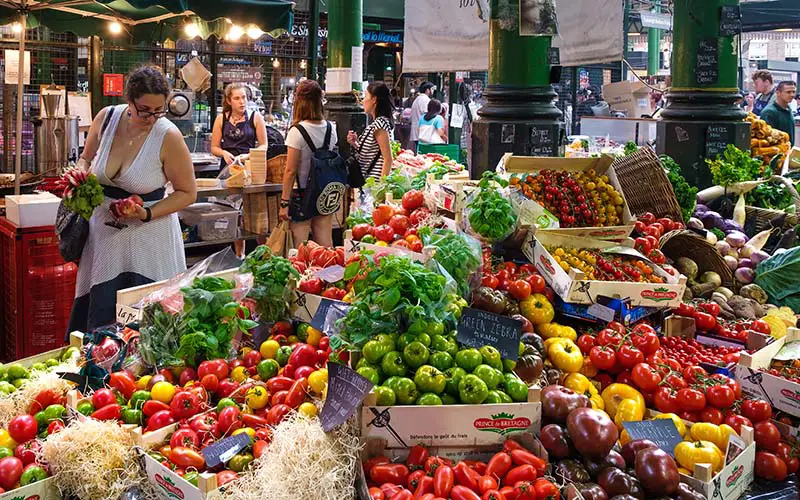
<point x="733" y="480"/>
<point x="782" y="394"/>
<point x="305" y="305"/>
<point x="171" y="486"/>
<point x="533" y="212"/>
<point x="40" y="490"/>
<point x="633" y="98"/>
<point x="32" y="210"/>
<point x="573" y="287"/>
<point x="450" y="425"/>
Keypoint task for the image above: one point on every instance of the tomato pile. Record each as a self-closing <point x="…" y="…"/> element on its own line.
<point x="514" y="473"/>
<point x="584" y="199"/>
<point x="790" y="369"/>
<point x="707" y="320"/>
<point x="312" y="258"/>
<point x="396" y="226"/>
<point x="691" y="352"/>
<point x="605" y="267"/>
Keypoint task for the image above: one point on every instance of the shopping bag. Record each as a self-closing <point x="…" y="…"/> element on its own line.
<point x="72" y="231"/>
<point x="280" y="241"/>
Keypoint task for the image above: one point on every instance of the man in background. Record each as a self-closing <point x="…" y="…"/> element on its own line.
<point x="419" y="108"/>
<point x="764" y="90"/>
<point x="778" y="113"/>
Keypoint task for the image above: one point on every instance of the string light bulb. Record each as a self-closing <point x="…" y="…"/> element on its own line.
<point x="16" y="28"/>
<point x="254" y="32"/>
<point x="235" y="33"/>
<point x="303" y="64"/>
<point x="115" y="28"/>
<point x="276" y="63"/>
<point x="191" y="30"/>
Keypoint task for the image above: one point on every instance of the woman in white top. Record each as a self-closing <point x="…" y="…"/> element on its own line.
<point x="373" y="148"/>
<point x="133" y="149"/>
<point x="308" y="113"/>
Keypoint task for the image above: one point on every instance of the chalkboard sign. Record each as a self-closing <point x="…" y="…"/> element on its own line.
<point x="707" y="65"/>
<point x="478" y="328"/>
<point x="717" y="139"/>
<point x="542" y="141"/>
<point x="730" y="20"/>
<point x="224" y="449"/>
<point x="328" y="312"/>
<point x="554" y="56"/>
<point x="346" y="391"/>
<point x="661" y="431"/>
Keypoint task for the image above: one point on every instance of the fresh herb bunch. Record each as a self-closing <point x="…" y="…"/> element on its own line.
<point x="358" y="217"/>
<point x="395" y="295"/>
<point x="490" y="214"/>
<point x="395" y="183"/>
<point x="82" y="192"/>
<point x="438" y="169"/>
<point x="273" y="279"/>
<point x="733" y="166"/>
<point x="772" y="196"/>
<point x="160" y="334"/>
<point x="685" y="194"/>
<point x="630" y="148"/>
<point x="457" y="253"/>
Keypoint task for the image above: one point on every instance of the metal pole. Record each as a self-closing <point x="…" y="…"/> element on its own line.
<point x="626" y="12"/>
<point x="20" y="92"/>
<point x="574" y="96"/>
<point x="96" y="72"/>
<point x="313" y="40"/>
<point x="345" y="29"/>
<point x="454" y="134"/>
<point x="212" y="101"/>
<point x="653" y="47"/>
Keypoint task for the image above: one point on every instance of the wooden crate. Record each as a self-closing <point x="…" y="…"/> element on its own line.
<point x="255" y="218"/>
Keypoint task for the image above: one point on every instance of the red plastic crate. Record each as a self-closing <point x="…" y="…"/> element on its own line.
<point x="37" y="291"/>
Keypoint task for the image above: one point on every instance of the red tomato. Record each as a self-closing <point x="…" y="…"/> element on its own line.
<point x="692" y="373"/>
<point x="490" y="281"/>
<point x="399" y="224"/>
<point x="737" y="421"/>
<point x="657" y="256"/>
<point x="419" y="215"/>
<point x="185" y="437"/>
<point x="608" y="336"/>
<point x="603" y="357"/>
<point x="159" y="420"/>
<point x="413" y="199"/>
<point x="10" y="471"/>
<point x="639" y="227"/>
<point x="123" y="382"/>
<point x="648" y="218"/>
<point x="789" y="457"/>
<point x="216" y="367"/>
<point x="643" y="245"/>
<point x="757" y="410"/>
<point x="103" y="397"/>
<point x="360" y="230"/>
<point x="585" y="343"/>
<point x="27" y="451"/>
<point x="767" y="436"/>
<point x="519" y="289"/>
<point x="389" y="473"/>
<point x="230" y="419"/>
<point x="226" y="476"/>
<point x="691" y="399"/>
<point x="381" y="214"/>
<point x="646" y="377"/>
<point x="537" y="283"/>
<point x="685" y="310"/>
<point x="23" y="428"/>
<point x="720" y="396"/>
<point x="711" y="415"/>
<point x="760" y="326"/>
<point x="704" y="322"/>
<point x="545" y="490"/>
<point x="768" y="466"/>
<point x="384" y="233"/>
<point x="666" y="400"/>
<point x="210" y="382"/>
<point x="629" y="356"/>
<point x="645" y="339"/>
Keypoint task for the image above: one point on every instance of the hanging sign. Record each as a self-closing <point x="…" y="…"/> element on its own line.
<point x="113" y="84"/>
<point x="717" y="139"/>
<point x="12" y="67"/>
<point x="730" y="20"/>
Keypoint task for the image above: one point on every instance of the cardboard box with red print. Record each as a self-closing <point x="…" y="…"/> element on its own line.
<point x="574" y="287"/>
<point x="40" y="490"/>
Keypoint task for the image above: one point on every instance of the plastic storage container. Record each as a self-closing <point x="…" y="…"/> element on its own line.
<point x="37" y="291"/>
<point x="213" y="221"/>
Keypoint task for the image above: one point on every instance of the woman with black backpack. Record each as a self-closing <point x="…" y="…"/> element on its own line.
<point x="320" y="174"/>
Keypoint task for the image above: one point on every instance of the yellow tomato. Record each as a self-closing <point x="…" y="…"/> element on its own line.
<point x="269" y="349"/>
<point x="578" y="383"/>
<point x="239" y="374"/>
<point x="614" y="394"/>
<point x="245" y="350"/>
<point x="245" y="430"/>
<point x="597" y="401"/>
<point x="676" y="419"/>
<point x="163" y="391"/>
<point x="314" y="336"/>
<point x="6" y="440"/>
<point x="628" y="410"/>
<point x="141" y="384"/>
<point x="318" y="380"/>
<point x="307" y="409"/>
<point x="588" y="367"/>
<point x="624" y="437"/>
<point x="257" y="397"/>
<point x="567" y="332"/>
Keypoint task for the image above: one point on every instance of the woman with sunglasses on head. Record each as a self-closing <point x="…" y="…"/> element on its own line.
<point x="234" y="133"/>
<point x="133" y="150"/>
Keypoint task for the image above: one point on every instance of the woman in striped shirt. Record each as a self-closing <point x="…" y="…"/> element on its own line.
<point x="373" y="147"/>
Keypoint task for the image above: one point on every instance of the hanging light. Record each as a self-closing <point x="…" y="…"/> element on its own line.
<point x="191" y="30"/>
<point x="276" y="63"/>
<point x="16" y="28"/>
<point x="303" y="64"/>
<point x="115" y="28"/>
<point x="254" y="32"/>
<point x="235" y="33"/>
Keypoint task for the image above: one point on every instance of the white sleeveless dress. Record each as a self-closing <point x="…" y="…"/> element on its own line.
<point x="115" y="259"/>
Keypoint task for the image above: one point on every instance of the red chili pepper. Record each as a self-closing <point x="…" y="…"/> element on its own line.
<point x="466" y="477"/>
<point x="417" y="457"/>
<point x="499" y="465"/>
<point x="443" y="481"/>
<point x="253" y="421"/>
<point x="151" y="407"/>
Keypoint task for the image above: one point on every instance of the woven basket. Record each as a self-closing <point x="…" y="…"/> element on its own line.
<point x="763" y="216"/>
<point x="645" y="184"/>
<point x="685" y="243"/>
<point x="275" y="168"/>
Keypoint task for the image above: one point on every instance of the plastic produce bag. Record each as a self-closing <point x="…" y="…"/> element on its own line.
<point x="778" y="277"/>
<point x="489" y="214"/>
<point x="458" y="254"/>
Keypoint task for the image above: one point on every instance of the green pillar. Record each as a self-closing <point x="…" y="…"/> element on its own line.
<point x="313" y="40"/>
<point x="701" y="116"/>
<point x="519" y="116"/>
<point x="653" y="48"/>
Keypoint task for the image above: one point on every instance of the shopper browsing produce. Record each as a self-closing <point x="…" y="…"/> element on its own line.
<point x="778" y="113"/>
<point x="134" y="151"/>
<point x="373" y="148"/>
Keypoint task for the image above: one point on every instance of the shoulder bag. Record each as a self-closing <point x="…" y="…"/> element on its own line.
<point x="72" y="229"/>
<point x="355" y="177"/>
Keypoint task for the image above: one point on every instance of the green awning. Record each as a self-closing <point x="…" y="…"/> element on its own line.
<point x="152" y="19"/>
<point x="387" y="9"/>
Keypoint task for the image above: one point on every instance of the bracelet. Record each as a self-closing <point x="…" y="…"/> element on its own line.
<point x="149" y="215"/>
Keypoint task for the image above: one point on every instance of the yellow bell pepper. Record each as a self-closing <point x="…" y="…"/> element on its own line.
<point x="685" y="472"/>
<point x="566" y="356"/>
<point x="699" y="452"/>
<point x="717" y="434"/>
<point x="588" y="368"/>
<point x="676" y="419"/>
<point x="614" y="394"/>
<point x="597" y="401"/>
<point x="628" y="410"/>
<point x="537" y="309"/>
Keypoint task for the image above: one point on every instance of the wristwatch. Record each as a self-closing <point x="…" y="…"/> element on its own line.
<point x="149" y="215"/>
<point x="284" y="203"/>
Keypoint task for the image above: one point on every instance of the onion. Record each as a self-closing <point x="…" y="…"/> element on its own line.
<point x="733" y="252"/>
<point x="723" y="247"/>
<point x="736" y="239"/>
<point x="746" y="263"/>
<point x="711" y="237"/>
<point x="759" y="256"/>
<point x="694" y="223"/>
<point x="744" y="275"/>
<point x="733" y="264"/>
<point x="747" y="250"/>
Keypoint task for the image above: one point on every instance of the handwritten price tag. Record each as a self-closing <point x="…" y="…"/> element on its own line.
<point x="479" y="328"/>
<point x="346" y="391"/>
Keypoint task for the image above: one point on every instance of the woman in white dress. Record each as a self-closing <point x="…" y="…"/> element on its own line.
<point x="133" y="149"/>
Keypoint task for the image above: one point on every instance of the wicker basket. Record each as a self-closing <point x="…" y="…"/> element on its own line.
<point x="645" y="184"/>
<point x="275" y="166"/>
<point x="763" y="216"/>
<point x="685" y="243"/>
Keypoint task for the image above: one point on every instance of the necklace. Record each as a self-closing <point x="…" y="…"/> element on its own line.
<point x="138" y="137"/>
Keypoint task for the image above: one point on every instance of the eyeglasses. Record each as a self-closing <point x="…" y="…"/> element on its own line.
<point x="144" y="114"/>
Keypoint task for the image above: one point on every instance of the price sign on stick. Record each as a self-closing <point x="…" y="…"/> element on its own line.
<point x="346" y="391"/>
<point x="661" y="431"/>
<point x="224" y="449"/>
<point x="479" y="328"/>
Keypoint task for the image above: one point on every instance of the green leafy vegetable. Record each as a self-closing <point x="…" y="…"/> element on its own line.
<point x="273" y="280"/>
<point x="684" y="193"/>
<point x="733" y="166"/>
<point x="86" y="197"/>
<point x="395" y="148"/>
<point x="630" y="148"/>
<point x="772" y="196"/>
<point x="489" y="213"/>
<point x="718" y="233"/>
<point x="358" y="218"/>
<point x="438" y="169"/>
<point x="395" y="183"/>
<point x="457" y="253"/>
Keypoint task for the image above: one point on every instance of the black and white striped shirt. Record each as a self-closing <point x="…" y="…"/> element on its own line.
<point x="369" y="147"/>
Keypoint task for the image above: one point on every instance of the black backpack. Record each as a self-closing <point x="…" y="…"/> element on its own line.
<point x="327" y="181"/>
